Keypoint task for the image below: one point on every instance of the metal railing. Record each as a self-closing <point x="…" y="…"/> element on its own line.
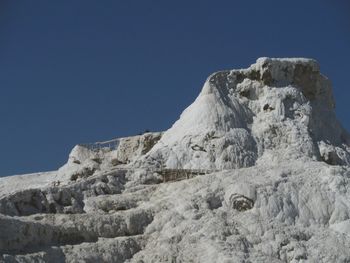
<point x="169" y="175"/>
<point x="110" y="145"/>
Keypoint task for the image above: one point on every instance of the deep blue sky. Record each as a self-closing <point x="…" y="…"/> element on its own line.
<point x="82" y="71"/>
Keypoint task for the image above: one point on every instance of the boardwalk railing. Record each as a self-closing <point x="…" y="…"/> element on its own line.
<point x="172" y="175"/>
<point x="169" y="175"/>
<point x="110" y="145"/>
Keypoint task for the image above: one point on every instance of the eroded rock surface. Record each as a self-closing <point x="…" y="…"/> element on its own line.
<point x="255" y="170"/>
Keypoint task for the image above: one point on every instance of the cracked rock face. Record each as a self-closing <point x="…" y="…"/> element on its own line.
<point x="256" y="169"/>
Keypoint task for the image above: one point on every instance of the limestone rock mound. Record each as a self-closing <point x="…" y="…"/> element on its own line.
<point x="256" y="169"/>
<point x="277" y="108"/>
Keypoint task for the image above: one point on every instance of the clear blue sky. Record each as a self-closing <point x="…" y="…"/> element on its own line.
<point x="82" y="71"/>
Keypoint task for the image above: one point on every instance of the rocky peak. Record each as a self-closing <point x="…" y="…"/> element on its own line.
<point x="276" y="108"/>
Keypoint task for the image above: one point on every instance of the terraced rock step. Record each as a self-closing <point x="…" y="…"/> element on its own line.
<point x="116" y="250"/>
<point x="33" y="233"/>
<point x="65" y="199"/>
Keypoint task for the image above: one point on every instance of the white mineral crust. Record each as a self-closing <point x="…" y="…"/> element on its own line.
<point x="256" y="169"/>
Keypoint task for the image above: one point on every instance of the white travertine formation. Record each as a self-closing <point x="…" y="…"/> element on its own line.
<point x="275" y="186"/>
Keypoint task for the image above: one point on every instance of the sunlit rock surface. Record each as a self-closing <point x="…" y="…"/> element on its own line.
<point x="256" y="169"/>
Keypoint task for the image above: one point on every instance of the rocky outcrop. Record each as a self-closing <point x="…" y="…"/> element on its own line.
<point x="131" y="148"/>
<point x="65" y="199"/>
<point x="86" y="160"/>
<point x="276" y="107"/>
<point x="257" y="169"/>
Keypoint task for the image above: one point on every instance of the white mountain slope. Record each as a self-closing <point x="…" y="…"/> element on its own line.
<point x="275" y="189"/>
<point x="282" y="108"/>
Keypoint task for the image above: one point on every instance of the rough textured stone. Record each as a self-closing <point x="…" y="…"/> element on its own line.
<point x="257" y="169"/>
